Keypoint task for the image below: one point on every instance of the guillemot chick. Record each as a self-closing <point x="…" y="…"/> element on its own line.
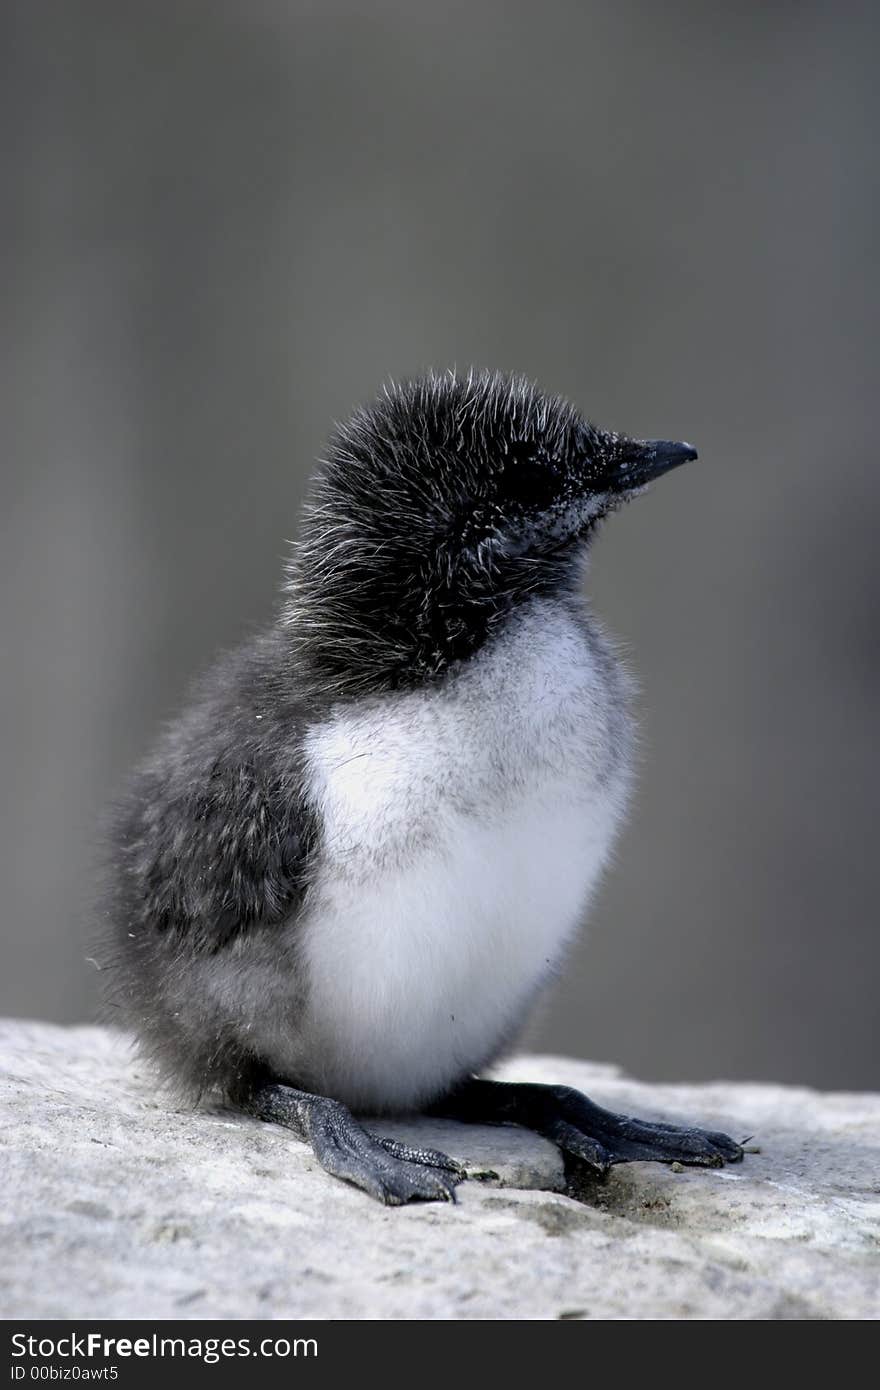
<point x="347" y="869"/>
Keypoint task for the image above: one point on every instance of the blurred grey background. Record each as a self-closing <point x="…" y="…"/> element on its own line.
<point x="225" y="223"/>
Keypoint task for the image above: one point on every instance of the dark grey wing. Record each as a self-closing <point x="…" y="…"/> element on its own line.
<point x="211" y="855"/>
<point x="220" y="855"/>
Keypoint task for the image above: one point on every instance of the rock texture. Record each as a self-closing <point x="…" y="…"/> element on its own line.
<point x="116" y="1204"/>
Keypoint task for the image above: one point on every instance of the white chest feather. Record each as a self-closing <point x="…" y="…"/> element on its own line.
<point x="464" y="828"/>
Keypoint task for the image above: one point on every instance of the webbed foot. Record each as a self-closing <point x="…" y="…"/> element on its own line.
<point x="390" y="1171"/>
<point x="583" y="1129"/>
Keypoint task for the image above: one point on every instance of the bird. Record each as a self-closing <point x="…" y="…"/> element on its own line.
<point x="347" y="869"/>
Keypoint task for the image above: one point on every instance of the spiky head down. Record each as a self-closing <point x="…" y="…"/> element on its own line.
<point x="438" y="508"/>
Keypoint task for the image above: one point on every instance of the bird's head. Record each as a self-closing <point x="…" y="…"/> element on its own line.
<point x="440" y="507"/>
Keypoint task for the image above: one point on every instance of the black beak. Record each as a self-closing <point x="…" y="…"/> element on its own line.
<point x="642" y="460"/>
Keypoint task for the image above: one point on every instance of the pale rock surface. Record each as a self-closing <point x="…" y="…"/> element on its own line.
<point x="118" y="1204"/>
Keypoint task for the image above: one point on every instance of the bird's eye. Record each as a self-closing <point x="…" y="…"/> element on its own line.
<point x="532" y="481"/>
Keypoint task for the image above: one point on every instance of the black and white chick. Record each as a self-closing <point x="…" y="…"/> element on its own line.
<point x="350" y="865"/>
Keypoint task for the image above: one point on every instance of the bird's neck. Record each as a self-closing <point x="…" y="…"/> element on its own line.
<point x="355" y="636"/>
